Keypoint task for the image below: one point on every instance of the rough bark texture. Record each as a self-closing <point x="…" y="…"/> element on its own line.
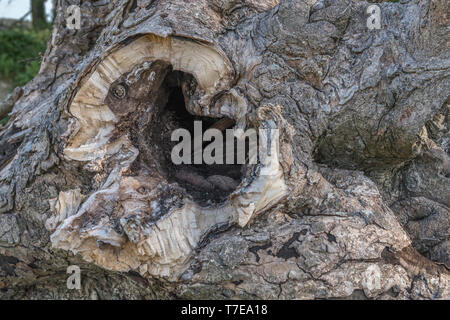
<point x="356" y="202"/>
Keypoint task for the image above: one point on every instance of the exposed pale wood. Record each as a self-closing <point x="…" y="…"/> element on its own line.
<point x="95" y="120"/>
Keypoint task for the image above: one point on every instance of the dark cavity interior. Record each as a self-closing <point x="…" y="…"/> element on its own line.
<point x="207" y="184"/>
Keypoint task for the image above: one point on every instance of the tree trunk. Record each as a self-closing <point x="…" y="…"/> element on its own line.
<point x="38" y="14"/>
<point x="352" y="201"/>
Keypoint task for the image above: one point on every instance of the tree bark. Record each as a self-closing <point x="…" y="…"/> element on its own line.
<point x="353" y="202"/>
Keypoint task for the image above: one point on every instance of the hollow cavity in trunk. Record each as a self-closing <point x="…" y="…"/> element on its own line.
<point x="155" y="116"/>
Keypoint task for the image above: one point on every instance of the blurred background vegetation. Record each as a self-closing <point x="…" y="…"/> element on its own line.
<point x="22" y="45"/>
<point x="20" y="55"/>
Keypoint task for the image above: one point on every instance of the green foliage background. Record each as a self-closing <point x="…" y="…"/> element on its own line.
<point x="20" y="54"/>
